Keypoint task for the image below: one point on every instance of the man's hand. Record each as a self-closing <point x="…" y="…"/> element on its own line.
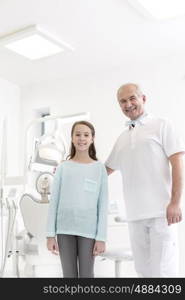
<point x="52" y="245"/>
<point x="99" y="247"/>
<point x="173" y="213"/>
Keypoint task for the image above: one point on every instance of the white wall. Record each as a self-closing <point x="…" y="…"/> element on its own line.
<point x="161" y="81"/>
<point x="10" y="110"/>
<point x="163" y="86"/>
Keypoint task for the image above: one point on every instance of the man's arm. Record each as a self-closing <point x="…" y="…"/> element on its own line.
<point x="173" y="213"/>
<point x="109" y="170"/>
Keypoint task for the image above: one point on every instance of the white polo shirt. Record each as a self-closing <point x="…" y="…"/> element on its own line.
<point x="141" y="154"/>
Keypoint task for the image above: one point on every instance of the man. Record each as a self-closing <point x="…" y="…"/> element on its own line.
<point x="149" y="155"/>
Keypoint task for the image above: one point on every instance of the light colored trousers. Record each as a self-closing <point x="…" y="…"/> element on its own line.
<point x="155" y="248"/>
<point x="76" y="254"/>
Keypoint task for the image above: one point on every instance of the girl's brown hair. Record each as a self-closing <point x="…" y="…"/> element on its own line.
<point x="92" y="150"/>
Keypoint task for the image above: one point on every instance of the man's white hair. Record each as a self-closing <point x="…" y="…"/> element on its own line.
<point x="137" y="87"/>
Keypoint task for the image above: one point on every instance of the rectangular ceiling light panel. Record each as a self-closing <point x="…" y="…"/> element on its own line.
<point x="34" y="42"/>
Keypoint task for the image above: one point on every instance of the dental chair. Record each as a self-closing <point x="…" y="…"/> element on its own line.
<point x="34" y="249"/>
<point x="39" y="262"/>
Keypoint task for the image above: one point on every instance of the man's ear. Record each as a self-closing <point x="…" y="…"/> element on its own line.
<point x="119" y="103"/>
<point x="144" y="98"/>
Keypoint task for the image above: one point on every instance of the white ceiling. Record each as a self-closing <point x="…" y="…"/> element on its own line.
<point x="106" y="34"/>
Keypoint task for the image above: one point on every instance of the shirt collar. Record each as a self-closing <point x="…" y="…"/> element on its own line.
<point x="141" y="120"/>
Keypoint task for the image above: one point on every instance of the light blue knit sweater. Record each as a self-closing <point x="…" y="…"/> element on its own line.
<point x="79" y="200"/>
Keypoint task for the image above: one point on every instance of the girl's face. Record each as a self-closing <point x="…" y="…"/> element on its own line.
<point x="82" y="137"/>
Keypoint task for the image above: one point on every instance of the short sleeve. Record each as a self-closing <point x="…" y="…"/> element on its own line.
<point x="171" y="140"/>
<point x="113" y="159"/>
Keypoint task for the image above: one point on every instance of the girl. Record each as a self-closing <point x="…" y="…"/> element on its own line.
<point x="78" y="207"/>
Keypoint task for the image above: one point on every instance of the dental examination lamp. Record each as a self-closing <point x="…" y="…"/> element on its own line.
<point x="49" y="149"/>
<point x="49" y="154"/>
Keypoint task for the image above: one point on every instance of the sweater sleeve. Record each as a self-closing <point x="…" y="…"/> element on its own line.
<point x="101" y="233"/>
<point x="53" y="205"/>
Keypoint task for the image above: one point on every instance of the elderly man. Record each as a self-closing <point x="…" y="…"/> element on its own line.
<point x="149" y="156"/>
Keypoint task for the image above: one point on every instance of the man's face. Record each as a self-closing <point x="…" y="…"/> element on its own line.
<point x="131" y="102"/>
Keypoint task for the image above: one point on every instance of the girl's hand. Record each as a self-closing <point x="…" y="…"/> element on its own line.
<point x="99" y="247"/>
<point x="52" y="245"/>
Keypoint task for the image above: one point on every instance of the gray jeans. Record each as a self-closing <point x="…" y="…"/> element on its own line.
<point x="76" y="254"/>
